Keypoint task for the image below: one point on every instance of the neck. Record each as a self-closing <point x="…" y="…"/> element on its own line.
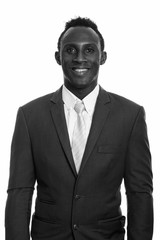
<point x="80" y="92"/>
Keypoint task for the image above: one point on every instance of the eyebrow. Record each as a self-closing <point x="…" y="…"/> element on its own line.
<point x="75" y="44"/>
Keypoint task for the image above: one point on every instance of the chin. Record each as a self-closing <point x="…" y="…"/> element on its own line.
<point x="82" y="82"/>
<point x="82" y="85"/>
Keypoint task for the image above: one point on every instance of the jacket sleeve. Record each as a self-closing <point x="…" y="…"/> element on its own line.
<point x="138" y="182"/>
<point x="21" y="183"/>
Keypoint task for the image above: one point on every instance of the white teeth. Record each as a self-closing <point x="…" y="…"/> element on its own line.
<point x="81" y="70"/>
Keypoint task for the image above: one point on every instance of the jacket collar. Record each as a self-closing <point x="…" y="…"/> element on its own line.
<point x="103" y="96"/>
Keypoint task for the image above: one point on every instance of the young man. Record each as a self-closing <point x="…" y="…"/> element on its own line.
<point x="79" y="143"/>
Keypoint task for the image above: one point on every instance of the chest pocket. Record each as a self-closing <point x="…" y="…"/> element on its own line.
<point x="111" y="149"/>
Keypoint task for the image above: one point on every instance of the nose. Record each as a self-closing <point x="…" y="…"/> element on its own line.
<point x="80" y="57"/>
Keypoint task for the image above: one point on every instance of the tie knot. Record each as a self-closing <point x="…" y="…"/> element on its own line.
<point x="79" y="107"/>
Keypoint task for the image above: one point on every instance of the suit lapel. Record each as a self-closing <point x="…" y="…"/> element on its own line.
<point x="101" y="113"/>
<point x="57" y="112"/>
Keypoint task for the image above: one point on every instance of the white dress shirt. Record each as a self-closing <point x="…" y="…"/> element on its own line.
<point x="69" y="100"/>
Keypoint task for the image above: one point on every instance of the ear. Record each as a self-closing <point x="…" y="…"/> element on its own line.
<point x="57" y="57"/>
<point x="103" y="58"/>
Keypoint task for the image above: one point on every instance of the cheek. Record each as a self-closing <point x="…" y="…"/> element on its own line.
<point x="95" y="60"/>
<point x="95" y="65"/>
<point x="65" y="59"/>
<point x="65" y="64"/>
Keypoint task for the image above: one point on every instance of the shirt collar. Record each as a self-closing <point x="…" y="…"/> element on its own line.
<point x="68" y="98"/>
<point x="89" y="101"/>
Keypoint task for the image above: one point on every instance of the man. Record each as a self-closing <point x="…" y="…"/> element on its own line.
<point x="79" y="143"/>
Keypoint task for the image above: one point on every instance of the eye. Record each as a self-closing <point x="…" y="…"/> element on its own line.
<point x="71" y="50"/>
<point x="89" y="50"/>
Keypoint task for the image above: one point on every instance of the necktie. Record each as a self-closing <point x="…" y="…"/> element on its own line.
<point x="79" y="139"/>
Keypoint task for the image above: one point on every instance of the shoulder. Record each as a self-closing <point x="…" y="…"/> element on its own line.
<point x="122" y="105"/>
<point x="36" y="109"/>
<point x="116" y="99"/>
<point x="39" y="108"/>
<point x="41" y="102"/>
<point x="122" y="101"/>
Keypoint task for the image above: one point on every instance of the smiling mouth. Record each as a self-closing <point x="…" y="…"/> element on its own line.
<point x="80" y="70"/>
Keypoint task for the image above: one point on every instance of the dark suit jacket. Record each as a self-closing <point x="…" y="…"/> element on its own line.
<point x="84" y="206"/>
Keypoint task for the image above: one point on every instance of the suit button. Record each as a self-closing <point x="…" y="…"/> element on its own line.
<point x="77" y="197"/>
<point x="75" y="227"/>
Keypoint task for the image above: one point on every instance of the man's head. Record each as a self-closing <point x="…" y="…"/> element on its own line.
<point x="84" y="22"/>
<point x="80" y="52"/>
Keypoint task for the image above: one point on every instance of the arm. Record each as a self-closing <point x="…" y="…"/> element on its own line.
<point x="21" y="183"/>
<point x="138" y="182"/>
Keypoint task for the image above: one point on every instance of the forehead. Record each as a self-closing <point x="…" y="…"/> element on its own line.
<point x="80" y="35"/>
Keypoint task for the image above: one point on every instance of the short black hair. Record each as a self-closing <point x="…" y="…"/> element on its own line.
<point x="81" y="22"/>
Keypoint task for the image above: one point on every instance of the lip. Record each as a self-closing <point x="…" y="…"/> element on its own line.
<point x="80" y="71"/>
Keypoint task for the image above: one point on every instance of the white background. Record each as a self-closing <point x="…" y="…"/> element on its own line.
<point x="29" y="31"/>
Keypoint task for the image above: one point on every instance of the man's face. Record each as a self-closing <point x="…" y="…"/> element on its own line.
<point x="80" y="56"/>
